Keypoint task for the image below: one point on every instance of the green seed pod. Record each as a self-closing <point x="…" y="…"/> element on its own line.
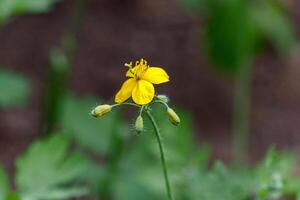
<point x="139" y="124"/>
<point x="101" y="110"/>
<point x="173" y="117"/>
<point x="163" y="98"/>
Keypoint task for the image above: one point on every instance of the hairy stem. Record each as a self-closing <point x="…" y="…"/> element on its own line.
<point x="128" y="104"/>
<point x="162" y="155"/>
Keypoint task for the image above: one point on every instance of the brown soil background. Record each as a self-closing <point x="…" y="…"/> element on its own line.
<point x="115" y="32"/>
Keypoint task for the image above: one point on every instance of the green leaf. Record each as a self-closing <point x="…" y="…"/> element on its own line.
<point x="14" y="89"/>
<point x="10" y="8"/>
<point x="33" y="6"/>
<point x="129" y="188"/>
<point x="57" y="193"/>
<point x="13" y="196"/>
<point x="222" y="183"/>
<point x="292" y="185"/>
<point x="274" y="173"/>
<point x="95" y="134"/>
<point x="230" y="34"/>
<point x="274" y="25"/>
<point x="47" y="170"/>
<point x="3" y="184"/>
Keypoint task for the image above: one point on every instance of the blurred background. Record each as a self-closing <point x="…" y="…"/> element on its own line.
<point x="234" y="68"/>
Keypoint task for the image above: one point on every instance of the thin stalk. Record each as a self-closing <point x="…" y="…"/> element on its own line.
<point x="161" y="102"/>
<point x="127" y="103"/>
<point x="56" y="88"/>
<point x="241" y="114"/>
<point x="60" y="65"/>
<point x="162" y="155"/>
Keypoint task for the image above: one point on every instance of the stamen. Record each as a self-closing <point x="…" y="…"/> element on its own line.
<point x="128" y="65"/>
<point x="132" y="72"/>
<point x="139" y="68"/>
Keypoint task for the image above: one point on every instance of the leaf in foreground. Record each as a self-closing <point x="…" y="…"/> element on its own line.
<point x="48" y="171"/>
<point x="3" y="184"/>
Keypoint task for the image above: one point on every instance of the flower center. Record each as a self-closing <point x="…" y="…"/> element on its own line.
<point x="139" y="68"/>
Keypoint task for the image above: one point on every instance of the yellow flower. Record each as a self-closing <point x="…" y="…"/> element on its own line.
<point x="140" y="83"/>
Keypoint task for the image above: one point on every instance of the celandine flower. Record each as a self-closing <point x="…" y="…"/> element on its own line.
<point x="139" y="86"/>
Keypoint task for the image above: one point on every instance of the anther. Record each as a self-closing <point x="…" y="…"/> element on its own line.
<point x="128" y="65"/>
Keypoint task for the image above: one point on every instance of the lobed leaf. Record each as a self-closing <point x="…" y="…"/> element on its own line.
<point x="47" y="169"/>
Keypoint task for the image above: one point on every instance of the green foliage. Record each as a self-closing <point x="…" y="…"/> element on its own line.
<point x="90" y="133"/>
<point x="274" y="174"/>
<point x="137" y="173"/>
<point x="103" y="137"/>
<point x="13" y="196"/>
<point x="10" y="8"/>
<point x="274" y="25"/>
<point x="230" y="34"/>
<point x="47" y="171"/>
<point x="234" y="29"/>
<point x="139" y="170"/>
<point x="14" y="89"/>
<point x="223" y="183"/>
<point x="125" y="166"/>
<point x="3" y="184"/>
<point x="133" y="170"/>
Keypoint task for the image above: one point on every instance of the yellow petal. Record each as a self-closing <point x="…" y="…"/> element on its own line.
<point x="125" y="91"/>
<point x="155" y="75"/>
<point x="143" y="92"/>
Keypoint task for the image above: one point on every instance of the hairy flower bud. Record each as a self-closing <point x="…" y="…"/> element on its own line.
<point x="173" y="116"/>
<point x="139" y="124"/>
<point x="101" y="110"/>
<point x="163" y="98"/>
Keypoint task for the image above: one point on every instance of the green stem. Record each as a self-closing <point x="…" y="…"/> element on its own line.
<point x="162" y="156"/>
<point x="161" y="102"/>
<point x="128" y="104"/>
<point x="61" y="61"/>
<point x="59" y="68"/>
<point x="241" y="114"/>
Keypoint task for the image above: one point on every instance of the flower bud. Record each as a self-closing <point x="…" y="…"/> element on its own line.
<point x="139" y="124"/>
<point x="162" y="97"/>
<point x="173" y="117"/>
<point x="101" y="110"/>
